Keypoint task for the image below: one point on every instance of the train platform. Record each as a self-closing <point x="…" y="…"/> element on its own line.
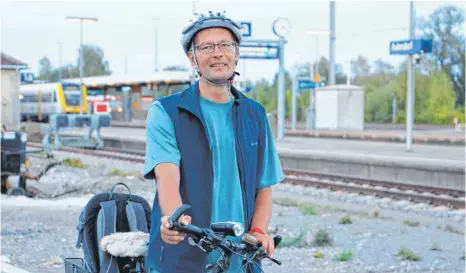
<point x="422" y="134"/>
<point x="430" y="165"/>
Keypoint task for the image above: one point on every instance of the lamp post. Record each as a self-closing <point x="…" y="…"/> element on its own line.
<point x="156" y="66"/>
<point x="331" y="68"/>
<point x="60" y="44"/>
<point x="411" y="82"/>
<point x="317" y="33"/>
<point x="81" y="20"/>
<point x="311" y="116"/>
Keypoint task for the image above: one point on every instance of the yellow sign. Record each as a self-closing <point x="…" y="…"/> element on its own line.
<point x="317" y="78"/>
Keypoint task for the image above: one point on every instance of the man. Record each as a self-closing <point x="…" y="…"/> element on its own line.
<point x="211" y="147"/>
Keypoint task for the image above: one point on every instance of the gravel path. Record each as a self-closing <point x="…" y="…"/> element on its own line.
<point x="36" y="234"/>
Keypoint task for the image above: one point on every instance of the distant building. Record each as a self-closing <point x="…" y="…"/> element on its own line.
<point x="10" y="101"/>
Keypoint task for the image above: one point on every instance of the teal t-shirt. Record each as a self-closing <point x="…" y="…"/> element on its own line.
<point x="227" y="202"/>
<point x="227" y="198"/>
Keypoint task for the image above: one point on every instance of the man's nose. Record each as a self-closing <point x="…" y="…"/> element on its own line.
<point x="217" y="52"/>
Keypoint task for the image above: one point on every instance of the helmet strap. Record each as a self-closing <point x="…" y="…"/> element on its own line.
<point x="195" y="59"/>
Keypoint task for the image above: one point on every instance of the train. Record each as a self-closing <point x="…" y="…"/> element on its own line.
<point x="118" y="94"/>
<point x="115" y="103"/>
<point x="39" y="101"/>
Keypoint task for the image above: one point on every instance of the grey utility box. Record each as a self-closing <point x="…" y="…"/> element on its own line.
<point x="340" y="107"/>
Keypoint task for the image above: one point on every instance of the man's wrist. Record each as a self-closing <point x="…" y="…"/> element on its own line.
<point x="257" y="230"/>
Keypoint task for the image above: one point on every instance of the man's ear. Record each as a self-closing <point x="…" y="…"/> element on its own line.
<point x="237" y="57"/>
<point x="191" y="59"/>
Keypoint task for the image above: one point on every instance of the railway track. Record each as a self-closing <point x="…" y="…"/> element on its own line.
<point x="397" y="191"/>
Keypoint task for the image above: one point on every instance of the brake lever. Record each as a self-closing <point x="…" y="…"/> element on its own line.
<point x="263" y="254"/>
<point x="273" y="260"/>
<point x="276" y="240"/>
<point x="191" y="242"/>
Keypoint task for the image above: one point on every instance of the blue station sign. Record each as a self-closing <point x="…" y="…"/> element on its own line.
<point x="246" y="29"/>
<point x="259" y="50"/>
<point x="409" y="47"/>
<point x="309" y="84"/>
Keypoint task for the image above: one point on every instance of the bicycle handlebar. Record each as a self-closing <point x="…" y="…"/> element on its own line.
<point x="174" y="224"/>
<point x="208" y="240"/>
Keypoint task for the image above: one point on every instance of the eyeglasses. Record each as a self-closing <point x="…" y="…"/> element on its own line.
<point x="209" y="48"/>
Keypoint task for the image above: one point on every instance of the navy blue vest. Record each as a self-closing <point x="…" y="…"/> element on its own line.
<point x="196" y="170"/>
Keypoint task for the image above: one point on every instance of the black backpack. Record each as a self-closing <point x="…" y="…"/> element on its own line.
<point x="105" y="214"/>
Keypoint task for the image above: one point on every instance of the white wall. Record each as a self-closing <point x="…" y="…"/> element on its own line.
<point x="340" y="107"/>
<point x="9" y="99"/>
<point x="351" y="109"/>
<point x="326" y="110"/>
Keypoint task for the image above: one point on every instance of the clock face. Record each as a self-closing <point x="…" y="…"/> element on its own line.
<point x="281" y="27"/>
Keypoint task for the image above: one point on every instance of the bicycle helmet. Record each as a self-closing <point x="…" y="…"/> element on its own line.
<point x="210" y="21"/>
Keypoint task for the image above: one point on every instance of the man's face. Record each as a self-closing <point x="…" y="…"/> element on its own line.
<point x="218" y="65"/>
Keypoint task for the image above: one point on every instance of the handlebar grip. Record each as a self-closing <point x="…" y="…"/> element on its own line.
<point x="191" y="229"/>
<point x="177" y="214"/>
<point x="276" y="240"/>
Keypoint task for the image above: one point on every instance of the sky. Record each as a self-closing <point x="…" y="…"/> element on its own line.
<point x="127" y="31"/>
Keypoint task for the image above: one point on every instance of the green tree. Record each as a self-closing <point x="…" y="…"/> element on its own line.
<point x="445" y="27"/>
<point x="93" y="65"/>
<point x="379" y="105"/>
<point x="360" y="70"/>
<point x="434" y="99"/>
<point x="266" y="95"/>
<point x="93" y="62"/>
<point x="302" y="104"/>
<point x="441" y="103"/>
<point x="288" y="88"/>
<point x="340" y="75"/>
<point x="45" y="69"/>
<point x="67" y="71"/>
<point x="303" y="70"/>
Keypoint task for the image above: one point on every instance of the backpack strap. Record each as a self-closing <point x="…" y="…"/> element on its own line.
<point x="80" y="227"/>
<point x="136" y="216"/>
<point x="106" y="224"/>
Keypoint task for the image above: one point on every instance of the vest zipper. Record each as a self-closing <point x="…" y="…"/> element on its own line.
<point x="161" y="255"/>
<point x="241" y="173"/>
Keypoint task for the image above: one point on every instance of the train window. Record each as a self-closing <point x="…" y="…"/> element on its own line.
<point x="72" y="98"/>
<point x="30" y="98"/>
<point x="71" y="88"/>
<point x="34" y="98"/>
<point x="47" y="97"/>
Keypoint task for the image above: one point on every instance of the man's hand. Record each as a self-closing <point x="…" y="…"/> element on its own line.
<point x="173" y="237"/>
<point x="267" y="243"/>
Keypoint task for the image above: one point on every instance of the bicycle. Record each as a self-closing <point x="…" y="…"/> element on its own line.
<point x="214" y="238"/>
<point x="207" y="239"/>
